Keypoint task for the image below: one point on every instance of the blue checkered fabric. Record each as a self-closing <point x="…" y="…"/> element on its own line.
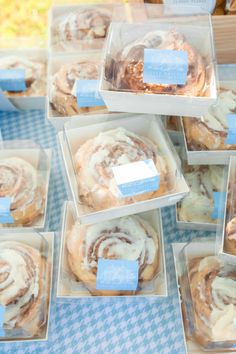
<point x="124" y="325"/>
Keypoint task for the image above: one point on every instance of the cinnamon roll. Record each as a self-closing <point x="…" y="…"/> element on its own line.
<point x="230" y="237"/>
<point x="125" y="71"/>
<point x="81" y="28"/>
<point x="130" y="238"/>
<point x="24" y="290"/>
<point x="35" y="74"/>
<point x="96" y="157"/>
<point x="213" y="301"/>
<point x="198" y="205"/>
<point x="210" y="132"/>
<point x="21" y="182"/>
<point x="63" y="87"/>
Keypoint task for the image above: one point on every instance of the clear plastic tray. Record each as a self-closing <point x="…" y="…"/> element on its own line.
<point x="122" y="84"/>
<point x="27" y="258"/>
<point x="172" y="184"/>
<point x="25" y="172"/>
<point x="70" y="286"/>
<point x="208" y="298"/>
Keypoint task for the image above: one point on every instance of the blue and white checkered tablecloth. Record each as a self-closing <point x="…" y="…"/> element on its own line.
<point x="124" y="325"/>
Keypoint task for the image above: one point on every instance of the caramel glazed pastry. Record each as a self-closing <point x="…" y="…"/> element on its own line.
<point x="198" y="205"/>
<point x="124" y="70"/>
<point x="213" y="296"/>
<point x="21" y="182"/>
<point x="24" y="290"/>
<point x="210" y="132"/>
<point x="35" y="74"/>
<point x="63" y="99"/>
<point x="130" y="238"/>
<point x="96" y="157"/>
<point x="86" y="25"/>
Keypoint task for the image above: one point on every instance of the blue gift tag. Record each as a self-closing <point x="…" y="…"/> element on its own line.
<point x="5" y="213"/>
<point x="12" y="80"/>
<point x="117" y="274"/>
<point x="231" y="137"/>
<point x="136" y="178"/>
<point x="5" y="104"/>
<point x="87" y="93"/>
<point x="2" y="313"/>
<point x="168" y="67"/>
<point x="219" y="205"/>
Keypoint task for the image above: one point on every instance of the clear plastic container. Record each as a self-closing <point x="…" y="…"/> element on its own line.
<point x="26" y="263"/>
<point x="126" y="140"/>
<point x="140" y="73"/>
<point x="33" y="62"/>
<point x="211" y="138"/>
<point x="207" y="289"/>
<point x="24" y="179"/>
<point x="199" y="209"/>
<point x="78" y="276"/>
<point x="65" y="73"/>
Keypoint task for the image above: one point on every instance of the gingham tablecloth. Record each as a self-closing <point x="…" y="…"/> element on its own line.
<point x="124" y="325"/>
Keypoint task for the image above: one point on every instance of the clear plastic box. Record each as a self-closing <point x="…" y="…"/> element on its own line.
<point x="24" y="179"/>
<point x="150" y="130"/>
<point x="208" y="139"/>
<point x="127" y="65"/>
<point x="207" y="297"/>
<point x="28" y="259"/>
<point x="34" y="64"/>
<point x="71" y="287"/>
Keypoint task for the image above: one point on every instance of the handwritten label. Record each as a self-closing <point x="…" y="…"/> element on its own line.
<point x="12" y="80"/>
<point x="219" y="205"/>
<point x="168" y="67"/>
<point x="87" y="93"/>
<point x="5" y="214"/>
<point x="114" y="274"/>
<point x="231" y="137"/>
<point x="136" y="178"/>
<point x="2" y="314"/>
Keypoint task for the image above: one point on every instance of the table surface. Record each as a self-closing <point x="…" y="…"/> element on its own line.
<point x="100" y="325"/>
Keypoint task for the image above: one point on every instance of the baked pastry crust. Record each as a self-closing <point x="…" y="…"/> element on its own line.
<point x="96" y="157"/>
<point x="129" y="237"/>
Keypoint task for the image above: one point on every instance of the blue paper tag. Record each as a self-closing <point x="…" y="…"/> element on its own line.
<point x="87" y="93"/>
<point x="219" y="205"/>
<point x="117" y="274"/>
<point x="5" y="214"/>
<point x="12" y="80"/>
<point x="2" y="313"/>
<point x="136" y="178"/>
<point x="5" y="104"/>
<point x="168" y="67"/>
<point x="231" y="137"/>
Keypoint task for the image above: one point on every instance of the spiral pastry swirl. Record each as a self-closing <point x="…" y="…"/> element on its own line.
<point x="35" y="73"/>
<point x="22" y="287"/>
<point x="125" y="72"/>
<point x="130" y="238"/>
<point x="230" y="236"/>
<point x="88" y="25"/>
<point x="20" y="181"/>
<point x="213" y="296"/>
<point x="96" y="157"/>
<point x="63" y="91"/>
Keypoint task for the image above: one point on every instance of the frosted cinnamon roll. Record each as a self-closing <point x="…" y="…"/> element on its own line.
<point x="96" y="157"/>
<point x="198" y="205"/>
<point x="210" y="132"/>
<point x="35" y="74"/>
<point x="24" y="290"/>
<point x="87" y="25"/>
<point x="213" y="299"/>
<point x="63" y="87"/>
<point x="125" y="71"/>
<point x="130" y="238"/>
<point x="230" y="237"/>
<point x="21" y="182"/>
